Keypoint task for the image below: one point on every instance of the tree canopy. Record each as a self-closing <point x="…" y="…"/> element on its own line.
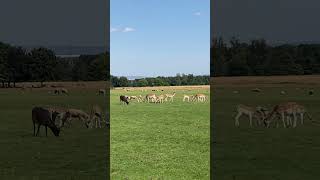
<point x="161" y="81"/>
<point x="235" y="58"/>
<point x="41" y="65"/>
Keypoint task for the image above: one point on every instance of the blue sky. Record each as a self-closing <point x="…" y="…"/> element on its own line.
<point x="159" y="37"/>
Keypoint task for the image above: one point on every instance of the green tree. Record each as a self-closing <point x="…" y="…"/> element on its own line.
<point x="123" y="82"/>
<point x="142" y="83"/>
<point x="44" y="63"/>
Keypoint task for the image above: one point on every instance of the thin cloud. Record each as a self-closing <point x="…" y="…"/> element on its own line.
<point x="124" y="30"/>
<point x="197" y="14"/>
<point x="128" y="29"/>
<point x="114" y="29"/>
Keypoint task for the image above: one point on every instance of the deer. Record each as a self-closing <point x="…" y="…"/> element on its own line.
<point x="286" y="110"/>
<point x="200" y="97"/>
<point x="95" y="116"/>
<point x="297" y="110"/>
<point x="258" y="113"/>
<point x="160" y="98"/>
<point x="140" y="99"/>
<point x="42" y="116"/>
<point x="64" y="91"/>
<point x="185" y="98"/>
<point x="124" y="99"/>
<point x="102" y="92"/>
<point x="60" y="115"/>
<point x="133" y="97"/>
<point x="169" y="96"/>
<point x="151" y="97"/>
<point x="81" y="115"/>
<point x="56" y="91"/>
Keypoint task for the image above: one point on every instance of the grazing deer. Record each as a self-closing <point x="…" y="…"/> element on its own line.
<point x="102" y="92"/>
<point x="186" y="97"/>
<point x="200" y="97"/>
<point x="124" y="99"/>
<point x="42" y="116"/>
<point x="286" y="110"/>
<point x="56" y="91"/>
<point x="133" y="97"/>
<point x="299" y="110"/>
<point x="170" y="96"/>
<point x="81" y="115"/>
<point x="251" y="112"/>
<point x="64" y="91"/>
<point x="151" y="97"/>
<point x="140" y="99"/>
<point x="61" y="114"/>
<point x="160" y="98"/>
<point x="95" y="116"/>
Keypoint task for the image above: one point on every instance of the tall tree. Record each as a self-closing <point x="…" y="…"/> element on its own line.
<point x="44" y="63"/>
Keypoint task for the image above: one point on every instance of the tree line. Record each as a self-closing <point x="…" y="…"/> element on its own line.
<point x="41" y="65"/>
<point x="236" y="58"/>
<point x="178" y="80"/>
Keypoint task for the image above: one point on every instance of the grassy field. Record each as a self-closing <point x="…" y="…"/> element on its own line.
<point x="246" y="153"/>
<point x="165" y="141"/>
<point x="78" y="153"/>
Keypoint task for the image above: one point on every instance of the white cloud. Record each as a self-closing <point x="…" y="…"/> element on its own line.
<point x="128" y="29"/>
<point x="114" y="29"/>
<point x="124" y="30"/>
<point x="197" y="13"/>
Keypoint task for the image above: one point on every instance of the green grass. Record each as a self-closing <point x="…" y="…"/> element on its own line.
<point x="246" y="153"/>
<point x="166" y="141"/>
<point x="78" y="153"/>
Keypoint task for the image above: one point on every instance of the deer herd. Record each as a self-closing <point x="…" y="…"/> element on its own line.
<point x="285" y="114"/>
<point x="153" y="98"/>
<point x="58" y="117"/>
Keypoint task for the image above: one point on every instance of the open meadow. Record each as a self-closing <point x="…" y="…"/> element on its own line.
<point x="78" y="153"/>
<point x="168" y="140"/>
<point x="249" y="153"/>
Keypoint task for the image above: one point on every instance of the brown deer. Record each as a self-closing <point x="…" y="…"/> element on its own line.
<point x="42" y="116"/>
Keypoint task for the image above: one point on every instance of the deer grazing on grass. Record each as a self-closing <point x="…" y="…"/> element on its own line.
<point x="80" y="115"/>
<point x="61" y="91"/>
<point x="301" y="110"/>
<point x="199" y="97"/>
<point x="151" y="97"/>
<point x="124" y="99"/>
<point x="160" y="99"/>
<point x="287" y="110"/>
<point x="258" y="113"/>
<point x="140" y="99"/>
<point x="61" y="115"/>
<point x="64" y="91"/>
<point x="186" y="98"/>
<point x="95" y="116"/>
<point x="169" y="97"/>
<point x="102" y="92"/>
<point x="133" y="97"/>
<point x="42" y="116"/>
<point x="56" y="91"/>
